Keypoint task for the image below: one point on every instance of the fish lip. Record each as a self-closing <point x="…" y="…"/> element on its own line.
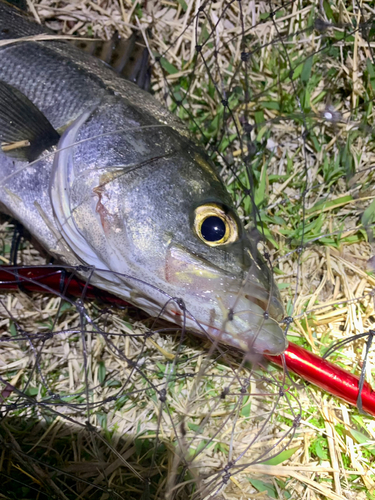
<point x="270" y="306"/>
<point x="261" y="303"/>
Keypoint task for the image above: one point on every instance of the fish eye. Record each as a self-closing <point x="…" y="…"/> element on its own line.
<point x="213" y="228"/>
<point x="214" y="225"/>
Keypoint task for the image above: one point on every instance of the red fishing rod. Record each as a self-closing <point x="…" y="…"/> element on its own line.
<point x="298" y="360"/>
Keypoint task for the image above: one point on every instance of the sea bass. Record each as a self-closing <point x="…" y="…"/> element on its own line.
<point x="103" y="176"/>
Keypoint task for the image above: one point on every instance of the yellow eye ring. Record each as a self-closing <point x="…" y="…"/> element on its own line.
<point x="214" y="226"/>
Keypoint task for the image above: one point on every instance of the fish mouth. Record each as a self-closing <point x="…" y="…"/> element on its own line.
<point x="258" y="312"/>
<point x="241" y="314"/>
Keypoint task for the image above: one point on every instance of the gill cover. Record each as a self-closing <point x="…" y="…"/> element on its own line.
<point x="62" y="178"/>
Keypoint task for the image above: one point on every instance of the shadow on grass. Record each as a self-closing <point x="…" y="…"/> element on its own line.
<point x="55" y="459"/>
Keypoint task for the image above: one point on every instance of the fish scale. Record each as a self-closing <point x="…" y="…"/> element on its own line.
<point x="103" y="175"/>
<point x="62" y="93"/>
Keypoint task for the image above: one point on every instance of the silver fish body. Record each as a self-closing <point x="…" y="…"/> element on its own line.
<point x="125" y="192"/>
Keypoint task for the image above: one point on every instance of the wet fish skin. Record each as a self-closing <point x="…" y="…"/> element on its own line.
<point x="120" y="192"/>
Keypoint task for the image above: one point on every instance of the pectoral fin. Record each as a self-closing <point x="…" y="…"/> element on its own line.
<point x="24" y="131"/>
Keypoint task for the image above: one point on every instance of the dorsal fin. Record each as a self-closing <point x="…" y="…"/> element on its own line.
<point x="127" y="57"/>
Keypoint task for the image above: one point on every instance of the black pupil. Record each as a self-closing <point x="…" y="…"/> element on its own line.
<point x="213" y="228"/>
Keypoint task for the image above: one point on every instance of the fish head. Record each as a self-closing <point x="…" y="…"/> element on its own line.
<point x="191" y="236"/>
<point x="154" y="212"/>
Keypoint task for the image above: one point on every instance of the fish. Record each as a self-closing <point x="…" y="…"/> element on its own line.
<point x="107" y="180"/>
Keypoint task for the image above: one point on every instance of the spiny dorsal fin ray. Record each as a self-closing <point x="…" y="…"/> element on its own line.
<point x="127" y="57"/>
<point x="24" y="131"/>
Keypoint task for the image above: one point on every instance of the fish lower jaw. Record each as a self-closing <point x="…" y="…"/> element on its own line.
<point x="263" y="339"/>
